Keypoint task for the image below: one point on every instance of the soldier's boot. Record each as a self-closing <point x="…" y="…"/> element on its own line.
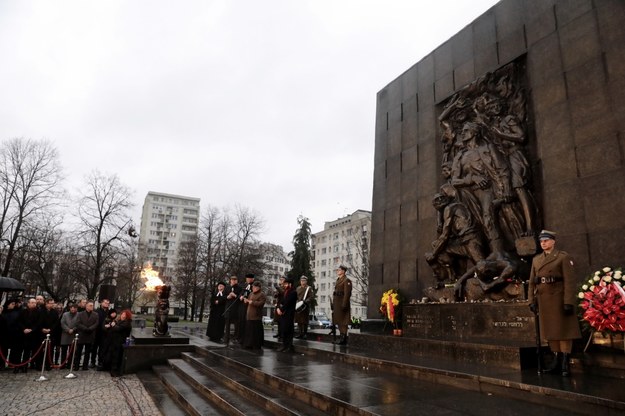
<point x="566" y="372"/>
<point x="554" y="366"/>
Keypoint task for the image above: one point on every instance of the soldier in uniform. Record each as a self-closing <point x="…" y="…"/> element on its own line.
<point x="304" y="294"/>
<point x="341" y="310"/>
<point x="552" y="290"/>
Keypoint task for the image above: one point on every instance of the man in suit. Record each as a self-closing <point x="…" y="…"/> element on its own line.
<point x="552" y="290"/>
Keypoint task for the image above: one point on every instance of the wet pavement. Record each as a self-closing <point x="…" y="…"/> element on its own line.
<point x="90" y="393"/>
<point x="334" y="372"/>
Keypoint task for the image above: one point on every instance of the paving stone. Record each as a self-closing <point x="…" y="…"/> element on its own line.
<point x="92" y="392"/>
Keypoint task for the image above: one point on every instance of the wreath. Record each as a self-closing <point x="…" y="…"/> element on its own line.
<point x="602" y="300"/>
<point x="390" y="303"/>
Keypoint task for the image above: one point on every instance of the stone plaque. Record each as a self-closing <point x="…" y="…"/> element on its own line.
<point x="505" y="323"/>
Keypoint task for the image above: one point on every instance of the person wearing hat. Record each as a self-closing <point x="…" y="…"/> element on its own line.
<point x="254" y="331"/>
<point x="245" y="293"/>
<point x="305" y="295"/>
<point x="341" y="307"/>
<point x="286" y="311"/>
<point x="278" y="296"/>
<point x="216" y="320"/>
<point x="552" y="291"/>
<point x="231" y="313"/>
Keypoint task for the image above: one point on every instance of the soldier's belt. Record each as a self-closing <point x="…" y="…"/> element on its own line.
<point x="548" y="279"/>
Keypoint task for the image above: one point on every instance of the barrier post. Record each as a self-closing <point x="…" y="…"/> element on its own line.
<point x="71" y="367"/>
<point x="45" y="356"/>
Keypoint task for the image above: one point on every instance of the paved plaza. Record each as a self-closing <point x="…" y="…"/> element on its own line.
<point x="91" y="393"/>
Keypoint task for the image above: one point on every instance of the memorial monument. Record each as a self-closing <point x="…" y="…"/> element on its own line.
<point x="514" y="124"/>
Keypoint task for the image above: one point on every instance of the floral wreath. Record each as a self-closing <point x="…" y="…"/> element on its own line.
<point x="602" y="300"/>
<point x="389" y="302"/>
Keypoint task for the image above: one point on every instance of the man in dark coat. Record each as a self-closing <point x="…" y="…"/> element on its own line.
<point x="216" y="320"/>
<point x="245" y="293"/>
<point x="49" y="322"/>
<point x="552" y="291"/>
<point x="96" y="354"/>
<point x="231" y="313"/>
<point x="341" y="306"/>
<point x="86" y="325"/>
<point x="286" y="311"/>
<point x="278" y="296"/>
<point x="29" y="325"/>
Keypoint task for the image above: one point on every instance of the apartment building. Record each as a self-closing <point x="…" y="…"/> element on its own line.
<point x="343" y="241"/>
<point x="166" y="222"/>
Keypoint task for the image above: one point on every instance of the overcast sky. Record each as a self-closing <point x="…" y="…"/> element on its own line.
<point x="267" y="104"/>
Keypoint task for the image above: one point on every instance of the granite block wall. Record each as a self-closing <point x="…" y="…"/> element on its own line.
<point x="574" y="53"/>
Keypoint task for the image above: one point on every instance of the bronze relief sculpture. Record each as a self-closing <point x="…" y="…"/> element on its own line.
<point x="486" y="209"/>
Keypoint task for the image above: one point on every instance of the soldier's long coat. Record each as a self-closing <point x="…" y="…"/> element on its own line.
<point x="341" y="313"/>
<point x="551" y="297"/>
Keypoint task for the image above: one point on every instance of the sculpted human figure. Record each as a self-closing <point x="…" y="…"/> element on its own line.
<point x="493" y="271"/>
<point x="162" y="310"/>
<point x="482" y="182"/>
<point x="507" y="134"/>
<point x="459" y="238"/>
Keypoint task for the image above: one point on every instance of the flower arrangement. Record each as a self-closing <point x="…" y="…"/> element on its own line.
<point x="390" y="303"/>
<point x="602" y="300"/>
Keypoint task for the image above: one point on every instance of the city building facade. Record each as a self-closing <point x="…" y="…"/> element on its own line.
<point x="167" y="221"/>
<point x="344" y="241"/>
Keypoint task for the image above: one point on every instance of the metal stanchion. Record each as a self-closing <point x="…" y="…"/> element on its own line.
<point x="71" y="367"/>
<point x="45" y="356"/>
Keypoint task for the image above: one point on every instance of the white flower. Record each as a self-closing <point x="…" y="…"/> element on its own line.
<point x="597" y="273"/>
<point x="580" y="295"/>
<point x="607" y="279"/>
<point x="618" y="274"/>
<point x="585" y="287"/>
<point x="606" y="269"/>
<point x="596" y="278"/>
<point x="590" y="282"/>
<point x="591" y="288"/>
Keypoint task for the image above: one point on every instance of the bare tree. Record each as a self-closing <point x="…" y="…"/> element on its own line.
<point x="45" y="249"/>
<point x="30" y="176"/>
<point x="129" y="282"/>
<point x="187" y="288"/>
<point x="245" y="243"/>
<point x="213" y="235"/>
<point x="357" y="259"/>
<point x="104" y="217"/>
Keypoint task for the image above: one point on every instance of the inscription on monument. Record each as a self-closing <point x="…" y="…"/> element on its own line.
<point x="470" y="322"/>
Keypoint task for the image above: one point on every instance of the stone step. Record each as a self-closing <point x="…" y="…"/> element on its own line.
<point x="192" y="402"/>
<point x="162" y="399"/>
<point x="271" y="376"/>
<point x="219" y="393"/>
<point x="272" y="399"/>
<point x="585" y="393"/>
<point x="324" y="383"/>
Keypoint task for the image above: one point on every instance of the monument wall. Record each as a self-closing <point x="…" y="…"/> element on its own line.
<point x="572" y="55"/>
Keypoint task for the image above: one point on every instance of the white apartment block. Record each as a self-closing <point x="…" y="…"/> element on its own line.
<point x="343" y="241"/>
<point x="167" y="221"/>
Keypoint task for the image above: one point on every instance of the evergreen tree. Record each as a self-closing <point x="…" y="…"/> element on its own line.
<point x="300" y="256"/>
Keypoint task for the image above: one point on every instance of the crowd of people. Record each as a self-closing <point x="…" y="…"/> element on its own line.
<point x="76" y="333"/>
<point x="236" y="311"/>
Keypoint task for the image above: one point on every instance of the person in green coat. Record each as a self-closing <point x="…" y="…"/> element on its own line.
<point x="552" y="291"/>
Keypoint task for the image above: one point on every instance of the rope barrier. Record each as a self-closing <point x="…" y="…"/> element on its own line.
<point x="64" y="363"/>
<point x="32" y="357"/>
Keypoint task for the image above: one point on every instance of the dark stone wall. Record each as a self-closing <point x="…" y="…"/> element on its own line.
<point x="575" y="56"/>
